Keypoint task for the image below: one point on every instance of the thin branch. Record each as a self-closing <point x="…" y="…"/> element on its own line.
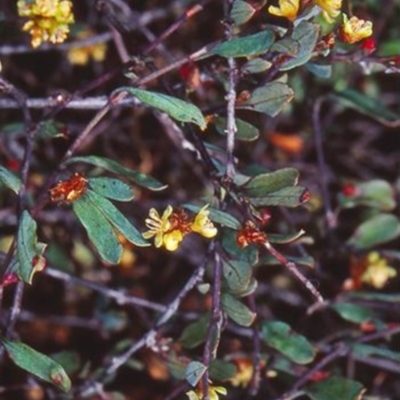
<point x="316" y="118"/>
<point x="214" y="326"/>
<point x="256" y="354"/>
<point x="292" y="267"/>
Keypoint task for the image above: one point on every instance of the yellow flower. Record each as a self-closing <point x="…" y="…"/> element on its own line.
<point x="157" y="225"/>
<point x="82" y="55"/>
<point x="203" y="225"/>
<point x="49" y="20"/>
<point x="353" y="30"/>
<point x="244" y="372"/>
<point x="213" y="393"/>
<point x="287" y="9"/>
<point x="378" y="272"/>
<point x="330" y="8"/>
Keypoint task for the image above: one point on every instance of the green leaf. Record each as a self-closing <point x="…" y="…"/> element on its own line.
<point x="237" y="274"/>
<point x="10" y="180"/>
<point x="334" y="388"/>
<point x="236" y="310"/>
<point x="308" y="262"/>
<point x="376" y="193"/>
<point x="176" y="365"/>
<point x="110" y="165"/>
<point x="246" y="46"/>
<point x="241" y="12"/>
<point x="279" y="336"/>
<point x="287" y="46"/>
<point x="194" y="371"/>
<point x="353" y="312"/>
<point x="29" y="251"/>
<point x="368" y="106"/>
<point x="176" y="108"/>
<point x="255" y="66"/>
<point x="268" y="99"/>
<point x="217" y="216"/>
<point x="379" y="229"/>
<point x="99" y="230"/>
<point x="111" y="188"/>
<point x="285" y="239"/>
<point x="117" y="219"/>
<point x="37" y="364"/>
<point x="306" y="35"/>
<point x="375" y="296"/>
<point x="366" y="350"/>
<point x="286" y="197"/>
<point x="195" y="333"/>
<point x="245" y="131"/>
<point x="263" y="184"/>
<point x="222" y="370"/>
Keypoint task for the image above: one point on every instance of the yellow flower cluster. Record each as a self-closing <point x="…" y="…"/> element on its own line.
<point x="49" y="20"/>
<point x="354" y="29"/>
<point x="82" y="55"/>
<point x="213" y="393"/>
<point x="377" y="272"/>
<point x="170" y="228"/>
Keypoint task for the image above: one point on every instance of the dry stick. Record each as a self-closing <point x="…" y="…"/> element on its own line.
<point x="118" y="295"/>
<point x="231" y="128"/>
<point x="292" y="267"/>
<point x="180" y="21"/>
<point x="213" y="328"/>
<point x="316" y="118"/>
<point x="120" y="360"/>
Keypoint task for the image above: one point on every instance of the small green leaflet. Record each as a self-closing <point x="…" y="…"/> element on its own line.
<point x="194" y="371"/>
<point x="10" y="180"/>
<point x="241" y="12"/>
<point x="334" y="388"/>
<point x="37" y="364"/>
<point x="29" y="251"/>
<point x="236" y="310"/>
<point x="280" y="336"/>
<point x="176" y="108"/>
<point x="247" y="46"/>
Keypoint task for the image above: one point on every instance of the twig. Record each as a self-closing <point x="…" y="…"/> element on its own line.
<point x="15" y="309"/>
<point x="214" y="326"/>
<point x="291" y="266"/>
<point x="256" y="356"/>
<point x="329" y="214"/>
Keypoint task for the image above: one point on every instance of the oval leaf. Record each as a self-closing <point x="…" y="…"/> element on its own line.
<point x="334" y="388"/>
<point x="99" y="230"/>
<point x="306" y="35"/>
<point x="117" y="219"/>
<point x="236" y="310"/>
<point x="194" y="371"/>
<point x="245" y="131"/>
<point x="110" y="165"/>
<point x="268" y="99"/>
<point x="247" y="46"/>
<point x="29" y="251"/>
<point x="379" y="229"/>
<point x="37" y="364"/>
<point x="241" y="12"/>
<point x="174" y="107"/>
<point x="222" y="370"/>
<point x="10" y="180"/>
<point x="111" y="188"/>
<point x="263" y="184"/>
<point x="353" y="312"/>
<point x="195" y="333"/>
<point x="286" y="197"/>
<point x="237" y="274"/>
<point x="279" y="336"/>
